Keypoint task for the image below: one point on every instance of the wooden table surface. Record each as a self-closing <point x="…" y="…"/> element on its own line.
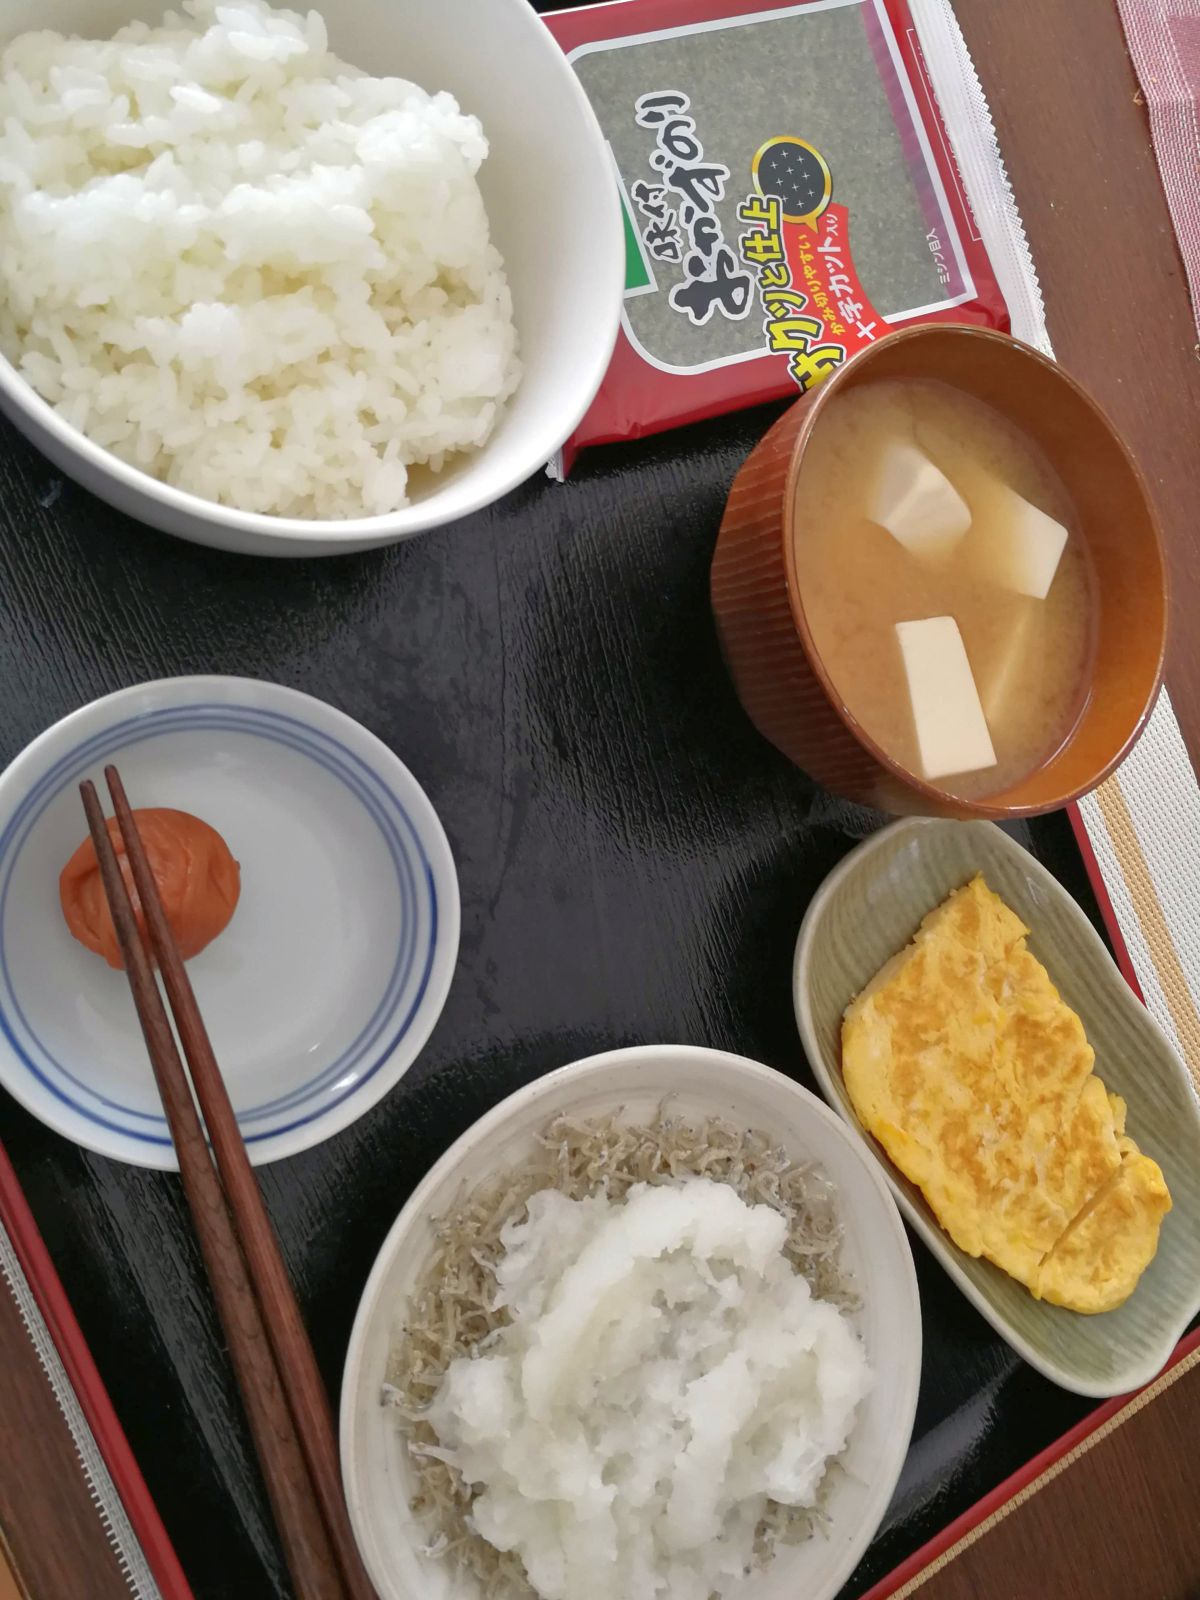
<point x="633" y="860"/>
<point x="1108" y="1514"/>
<point x="1076" y="140"/>
<point x="8" y="1580"/>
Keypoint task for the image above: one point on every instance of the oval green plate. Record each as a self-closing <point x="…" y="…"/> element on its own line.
<point x="869" y="908"/>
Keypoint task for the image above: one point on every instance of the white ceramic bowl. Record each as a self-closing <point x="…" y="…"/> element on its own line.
<point x="327" y="982"/>
<point x="632" y="1083"/>
<point x="553" y="207"/>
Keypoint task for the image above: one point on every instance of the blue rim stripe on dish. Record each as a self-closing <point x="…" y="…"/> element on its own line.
<point x="335" y="758"/>
<point x="287" y="1127"/>
<point x="169" y="723"/>
<point x="212" y="717"/>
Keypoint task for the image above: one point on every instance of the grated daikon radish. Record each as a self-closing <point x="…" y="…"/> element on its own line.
<point x="665" y="1374"/>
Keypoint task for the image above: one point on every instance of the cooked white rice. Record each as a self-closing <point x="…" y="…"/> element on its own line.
<point x="246" y="267"/>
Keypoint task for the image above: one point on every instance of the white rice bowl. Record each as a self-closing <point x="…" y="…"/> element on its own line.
<point x="245" y="267"/>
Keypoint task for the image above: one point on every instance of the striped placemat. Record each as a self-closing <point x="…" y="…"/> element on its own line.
<point x="1141" y="830"/>
<point x="1164" y="41"/>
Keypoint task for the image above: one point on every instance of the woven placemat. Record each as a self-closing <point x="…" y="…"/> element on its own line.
<point x="1164" y="41"/>
<point x="1141" y="834"/>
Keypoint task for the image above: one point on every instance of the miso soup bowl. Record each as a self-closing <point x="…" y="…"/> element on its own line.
<point x="759" y="605"/>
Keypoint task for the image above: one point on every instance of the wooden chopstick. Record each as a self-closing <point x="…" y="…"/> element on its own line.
<point x="307" y="1513"/>
<point x="293" y="1351"/>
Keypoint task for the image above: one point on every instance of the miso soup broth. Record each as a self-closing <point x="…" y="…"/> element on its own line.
<point x="1029" y="657"/>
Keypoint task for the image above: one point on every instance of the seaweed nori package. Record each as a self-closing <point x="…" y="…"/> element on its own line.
<point x="788" y="191"/>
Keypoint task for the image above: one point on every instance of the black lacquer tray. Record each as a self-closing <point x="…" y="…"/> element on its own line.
<point x="634" y="864"/>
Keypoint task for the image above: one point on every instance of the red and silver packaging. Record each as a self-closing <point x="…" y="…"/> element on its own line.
<point x="795" y="181"/>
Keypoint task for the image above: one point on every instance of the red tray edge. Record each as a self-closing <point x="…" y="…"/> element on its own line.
<point x="55" y="1308"/>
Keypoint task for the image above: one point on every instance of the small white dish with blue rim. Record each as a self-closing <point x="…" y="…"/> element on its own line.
<point x="326" y="984"/>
